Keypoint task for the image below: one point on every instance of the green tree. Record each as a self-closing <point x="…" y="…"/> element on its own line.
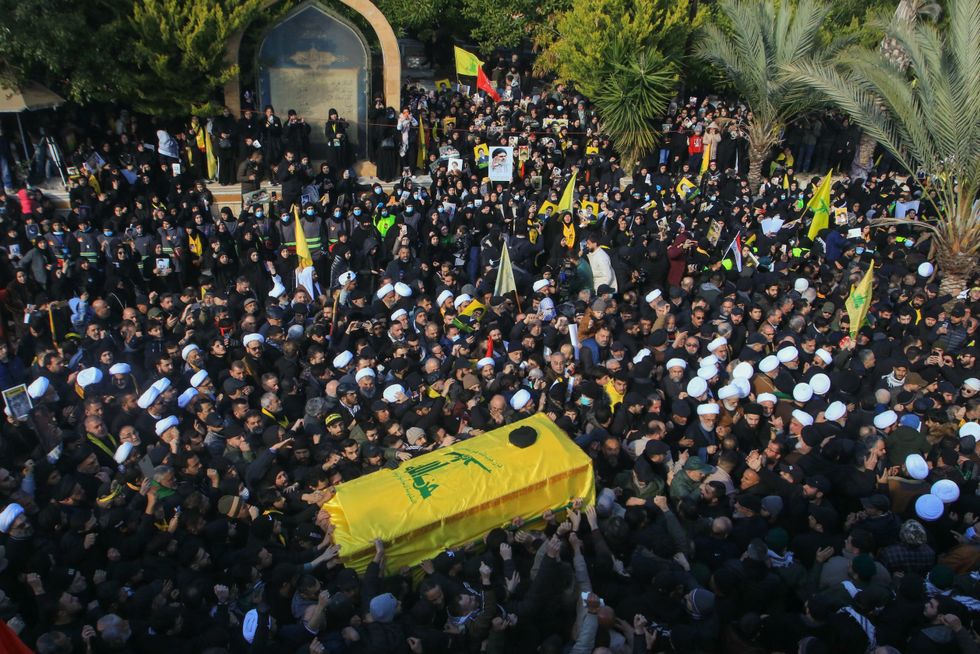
<point x="506" y="23"/>
<point x="179" y="49"/>
<point x="917" y="114"/>
<point x="623" y="55"/>
<point x="576" y="49"/>
<point x="762" y="38"/>
<point x="76" y="48"/>
<point x="907" y="12"/>
<point x="631" y="95"/>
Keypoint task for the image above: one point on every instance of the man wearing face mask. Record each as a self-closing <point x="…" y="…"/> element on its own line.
<point x="313" y="230"/>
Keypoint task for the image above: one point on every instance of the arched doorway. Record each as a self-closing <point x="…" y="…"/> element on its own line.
<point x="391" y="59"/>
<point x="314" y="60"/>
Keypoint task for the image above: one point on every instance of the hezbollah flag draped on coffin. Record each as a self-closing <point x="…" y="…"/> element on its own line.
<point x="455" y="495"/>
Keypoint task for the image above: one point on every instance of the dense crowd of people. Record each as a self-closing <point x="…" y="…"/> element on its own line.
<point x="769" y="476"/>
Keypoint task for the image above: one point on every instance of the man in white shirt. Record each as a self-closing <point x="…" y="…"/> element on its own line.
<point x="602" y="270"/>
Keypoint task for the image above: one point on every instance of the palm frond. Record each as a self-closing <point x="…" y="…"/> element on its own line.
<point x="923" y="116"/>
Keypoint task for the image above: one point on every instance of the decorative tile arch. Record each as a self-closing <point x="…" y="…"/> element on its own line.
<point x="391" y="58"/>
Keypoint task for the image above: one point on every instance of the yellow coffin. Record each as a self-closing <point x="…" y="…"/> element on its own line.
<point x="453" y="496"/>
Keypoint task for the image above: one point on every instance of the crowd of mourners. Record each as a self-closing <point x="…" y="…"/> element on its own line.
<point x="769" y="477"/>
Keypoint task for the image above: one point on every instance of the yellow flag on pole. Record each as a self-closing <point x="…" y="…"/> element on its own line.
<point x="209" y="154"/>
<point x="820" y="206"/>
<point x="303" y="257"/>
<point x="505" y="274"/>
<point x="859" y="300"/>
<point x="466" y="62"/>
<point x="705" y="158"/>
<point x="568" y="195"/>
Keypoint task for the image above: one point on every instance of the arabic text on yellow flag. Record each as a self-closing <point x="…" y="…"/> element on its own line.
<point x="568" y="195"/>
<point x="303" y="257"/>
<point x="455" y="495"/>
<point x="820" y="206"/>
<point x="505" y="274"/>
<point x="859" y="300"/>
<point x="466" y="62"/>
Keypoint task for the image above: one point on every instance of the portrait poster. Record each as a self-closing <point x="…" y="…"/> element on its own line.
<point x="714" y="232"/>
<point x="455" y="166"/>
<point x="523" y="152"/>
<point x="443" y="85"/>
<point x="590" y="209"/>
<point x="501" y="164"/>
<point x="18" y="401"/>
<point x="481" y="153"/>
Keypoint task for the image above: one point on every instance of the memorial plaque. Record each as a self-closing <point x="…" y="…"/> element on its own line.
<point x="313" y="61"/>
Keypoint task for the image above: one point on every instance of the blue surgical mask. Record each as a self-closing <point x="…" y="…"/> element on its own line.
<point x="859" y="250"/>
<point x="377" y="191"/>
<point x="309" y="212"/>
<point x="284" y="218"/>
<point x="409" y="209"/>
<point x="259" y="213"/>
<point x="107" y="232"/>
<point x="336" y="214"/>
<point x="357" y="212"/>
<point x="585" y="401"/>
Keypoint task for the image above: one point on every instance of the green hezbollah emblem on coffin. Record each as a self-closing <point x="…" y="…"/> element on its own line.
<point x="454" y="495"/>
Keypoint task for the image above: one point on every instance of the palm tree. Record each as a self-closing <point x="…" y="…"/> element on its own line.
<point x="633" y="90"/>
<point x="763" y="39"/>
<point x="925" y="118"/>
<point x="907" y="12"/>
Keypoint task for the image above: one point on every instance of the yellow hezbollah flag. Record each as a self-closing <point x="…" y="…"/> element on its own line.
<point x="705" y="157"/>
<point x="859" y="300"/>
<point x="568" y="195"/>
<point x="455" y="495"/>
<point x="820" y="206"/>
<point x="209" y="155"/>
<point x="505" y="274"/>
<point x="303" y="257"/>
<point x="466" y="62"/>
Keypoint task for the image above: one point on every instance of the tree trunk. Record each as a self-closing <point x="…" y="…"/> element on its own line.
<point x="906" y="12"/>
<point x="956" y="269"/>
<point x="757" y="155"/>
<point x="864" y="157"/>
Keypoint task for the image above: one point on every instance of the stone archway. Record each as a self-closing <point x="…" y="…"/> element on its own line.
<point x="391" y="58"/>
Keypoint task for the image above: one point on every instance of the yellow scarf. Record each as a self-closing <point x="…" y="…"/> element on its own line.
<point x="568" y="231"/>
<point x="282" y="422"/>
<point x="615" y="398"/>
<point x="102" y="446"/>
